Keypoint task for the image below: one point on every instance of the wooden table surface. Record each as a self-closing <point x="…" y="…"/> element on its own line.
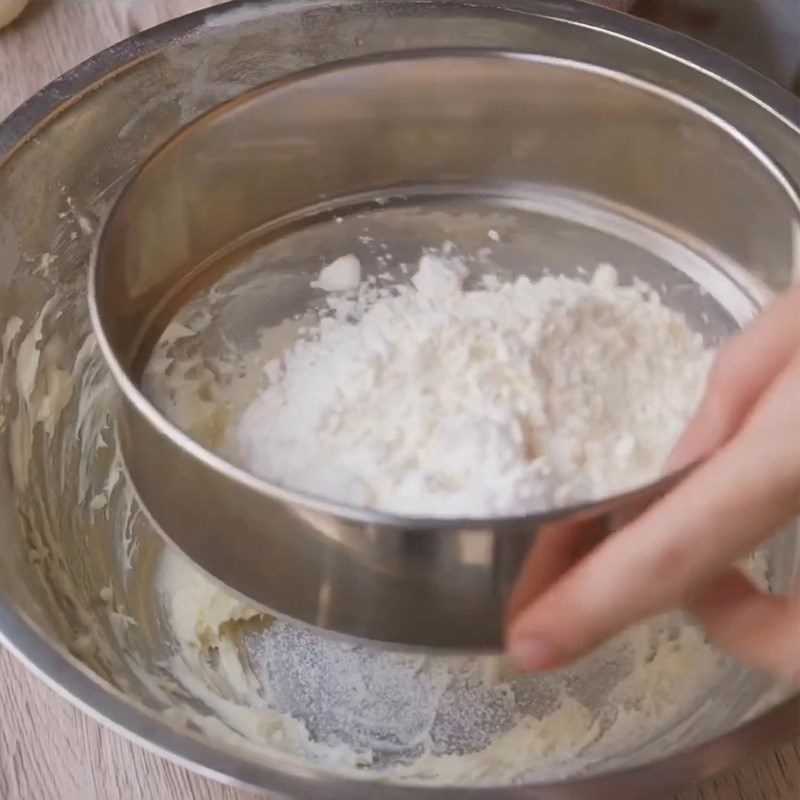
<point x="48" y="749"/>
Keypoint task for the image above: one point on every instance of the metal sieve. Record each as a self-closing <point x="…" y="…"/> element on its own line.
<point x="573" y="161"/>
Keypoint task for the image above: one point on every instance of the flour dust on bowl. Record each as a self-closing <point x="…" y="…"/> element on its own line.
<point x="330" y="149"/>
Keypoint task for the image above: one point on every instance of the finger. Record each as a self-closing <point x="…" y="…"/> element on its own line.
<point x="558" y="547"/>
<point x="746" y="365"/>
<point x="762" y="630"/>
<point x="720" y="513"/>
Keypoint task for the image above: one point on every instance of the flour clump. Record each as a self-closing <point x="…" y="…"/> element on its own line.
<point x="465" y="396"/>
<point x="340" y="275"/>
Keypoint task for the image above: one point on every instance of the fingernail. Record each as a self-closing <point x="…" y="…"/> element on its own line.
<point x="534" y="654"/>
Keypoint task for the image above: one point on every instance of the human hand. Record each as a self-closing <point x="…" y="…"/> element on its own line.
<point x="581" y="588"/>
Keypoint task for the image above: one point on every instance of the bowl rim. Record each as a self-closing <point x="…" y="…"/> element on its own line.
<point x="86" y="690"/>
<point x="138" y="402"/>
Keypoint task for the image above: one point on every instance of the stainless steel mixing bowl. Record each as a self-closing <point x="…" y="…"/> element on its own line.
<point x="571" y="162"/>
<point x="76" y="552"/>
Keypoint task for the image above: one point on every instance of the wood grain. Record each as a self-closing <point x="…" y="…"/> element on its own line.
<point x="53" y="36"/>
<point x="48" y="749"/>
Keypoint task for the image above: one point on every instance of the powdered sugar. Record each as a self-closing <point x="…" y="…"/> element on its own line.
<point x="447" y="399"/>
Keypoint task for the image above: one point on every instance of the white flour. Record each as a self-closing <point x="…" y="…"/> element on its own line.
<point x="440" y="400"/>
<point x="341" y="275"/>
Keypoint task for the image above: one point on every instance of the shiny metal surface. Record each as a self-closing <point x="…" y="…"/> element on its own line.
<point x="574" y="164"/>
<point x="82" y="138"/>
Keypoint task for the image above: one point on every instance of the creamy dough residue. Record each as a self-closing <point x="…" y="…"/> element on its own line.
<point x="447" y="720"/>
